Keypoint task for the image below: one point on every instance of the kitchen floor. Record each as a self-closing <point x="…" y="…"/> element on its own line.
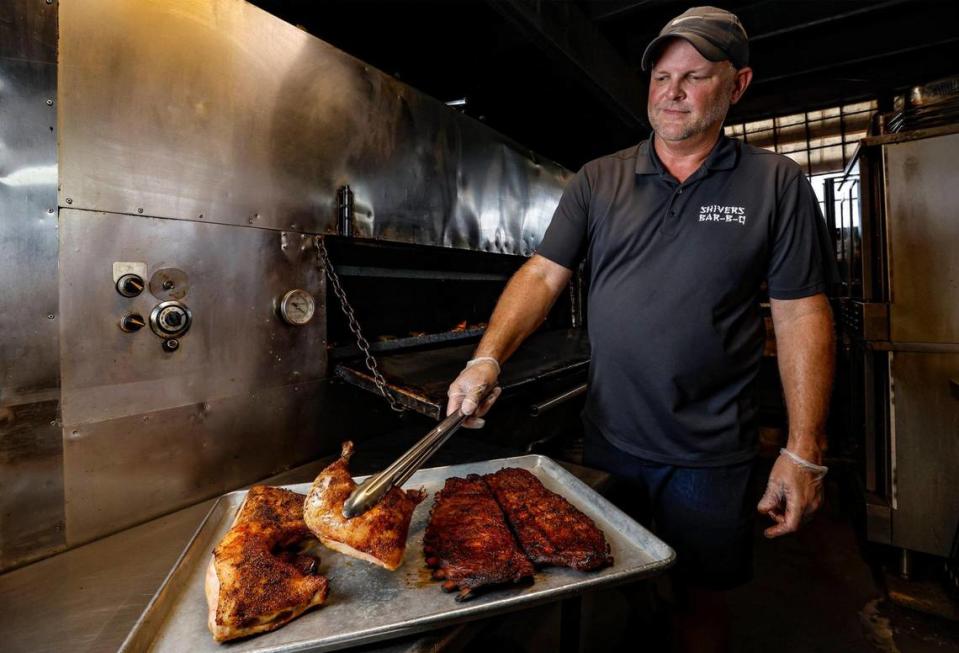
<point x="818" y="591"/>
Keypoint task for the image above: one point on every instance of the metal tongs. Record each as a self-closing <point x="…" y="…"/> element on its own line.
<point x="370" y="491"/>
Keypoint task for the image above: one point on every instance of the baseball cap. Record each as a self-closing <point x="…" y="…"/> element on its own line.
<point x="716" y="33"/>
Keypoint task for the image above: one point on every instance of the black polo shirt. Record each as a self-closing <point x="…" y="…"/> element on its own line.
<point x="674" y="288"/>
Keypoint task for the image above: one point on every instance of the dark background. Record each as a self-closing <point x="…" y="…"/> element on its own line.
<point x="563" y="76"/>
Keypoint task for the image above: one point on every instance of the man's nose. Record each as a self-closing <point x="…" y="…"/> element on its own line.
<point x="675" y="90"/>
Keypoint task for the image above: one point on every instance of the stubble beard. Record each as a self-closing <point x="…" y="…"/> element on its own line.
<point x="715" y="113"/>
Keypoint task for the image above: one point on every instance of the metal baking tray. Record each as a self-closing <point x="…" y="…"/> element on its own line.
<point x="368" y="603"/>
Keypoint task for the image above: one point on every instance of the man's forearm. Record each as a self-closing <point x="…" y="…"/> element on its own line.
<point x="805" y="343"/>
<point x="522" y="307"/>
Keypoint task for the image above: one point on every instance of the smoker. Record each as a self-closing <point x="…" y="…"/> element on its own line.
<point x="192" y="194"/>
<point x="899" y="316"/>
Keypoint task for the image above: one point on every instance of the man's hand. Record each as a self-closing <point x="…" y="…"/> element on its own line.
<point x="474" y="391"/>
<point x="521" y="309"/>
<point x="793" y="494"/>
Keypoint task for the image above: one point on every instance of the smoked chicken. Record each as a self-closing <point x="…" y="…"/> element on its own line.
<point x="259" y="579"/>
<point x="378" y="535"/>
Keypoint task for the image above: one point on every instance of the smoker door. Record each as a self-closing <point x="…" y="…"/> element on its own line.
<point x="923" y="232"/>
<point x="925" y="442"/>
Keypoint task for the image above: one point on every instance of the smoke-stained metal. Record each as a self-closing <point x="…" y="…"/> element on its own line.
<point x="344" y="205"/>
<point x="31" y="460"/>
<point x="220" y="110"/>
<point x="236" y="400"/>
<point x="201" y="145"/>
<point x="237" y="342"/>
<point x="920" y="200"/>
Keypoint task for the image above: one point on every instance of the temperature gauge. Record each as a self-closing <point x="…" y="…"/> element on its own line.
<point x="297" y="307"/>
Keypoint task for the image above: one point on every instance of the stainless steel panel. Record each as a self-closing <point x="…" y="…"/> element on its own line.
<point x="28" y="32"/>
<point x="236" y="343"/>
<point x="218" y="109"/>
<point x="28" y="229"/>
<point x="923" y="234"/>
<point x="31" y="487"/>
<point x="124" y="471"/>
<point x="926" y="451"/>
<point x="31" y="483"/>
<point x="878" y="520"/>
<point x="176" y="618"/>
<point x="237" y="401"/>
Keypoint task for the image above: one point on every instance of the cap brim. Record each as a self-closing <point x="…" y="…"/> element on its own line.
<point x="702" y="45"/>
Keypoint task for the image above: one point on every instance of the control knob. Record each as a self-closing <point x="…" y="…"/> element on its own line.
<point x="132" y="322"/>
<point x="170" y="319"/>
<point x="130" y="285"/>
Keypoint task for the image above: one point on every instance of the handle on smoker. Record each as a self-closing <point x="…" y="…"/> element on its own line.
<point x="370" y="491"/>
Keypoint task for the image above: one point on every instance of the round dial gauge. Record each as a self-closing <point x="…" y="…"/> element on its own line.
<point x="297" y="307"/>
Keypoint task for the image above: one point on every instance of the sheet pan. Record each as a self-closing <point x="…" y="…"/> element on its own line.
<point x="368" y="603"/>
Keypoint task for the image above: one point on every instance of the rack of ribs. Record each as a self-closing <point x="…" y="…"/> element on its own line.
<point x="467" y="541"/>
<point x="378" y="535"/>
<point x="258" y="580"/>
<point x="550" y="530"/>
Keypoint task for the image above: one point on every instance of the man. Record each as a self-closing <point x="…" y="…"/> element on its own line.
<point x="678" y="234"/>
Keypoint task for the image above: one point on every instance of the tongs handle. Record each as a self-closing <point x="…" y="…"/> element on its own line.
<point x="370" y="491"/>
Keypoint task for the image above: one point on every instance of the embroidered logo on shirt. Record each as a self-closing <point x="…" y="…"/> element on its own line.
<point x="717" y="213"/>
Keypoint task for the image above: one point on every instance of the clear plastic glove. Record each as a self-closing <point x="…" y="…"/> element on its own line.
<point x="793" y="494"/>
<point x="468" y="390"/>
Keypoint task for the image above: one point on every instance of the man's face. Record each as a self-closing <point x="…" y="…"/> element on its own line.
<point x="688" y="94"/>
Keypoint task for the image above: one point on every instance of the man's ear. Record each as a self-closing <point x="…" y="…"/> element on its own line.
<point x="740" y="83"/>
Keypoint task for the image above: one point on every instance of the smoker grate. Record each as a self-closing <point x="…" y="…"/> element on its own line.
<point x="419" y="379"/>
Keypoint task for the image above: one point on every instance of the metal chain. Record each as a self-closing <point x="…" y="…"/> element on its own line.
<point x="361" y="342"/>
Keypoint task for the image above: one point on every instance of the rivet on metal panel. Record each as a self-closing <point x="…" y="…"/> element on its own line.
<point x="199" y="217"/>
<point x="50" y="316"/>
<point x="50" y="211"/>
<point x="139" y="210"/>
<point x="69" y="200"/>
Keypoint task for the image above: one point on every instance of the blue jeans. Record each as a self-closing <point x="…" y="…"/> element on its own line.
<point x="706" y="514"/>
